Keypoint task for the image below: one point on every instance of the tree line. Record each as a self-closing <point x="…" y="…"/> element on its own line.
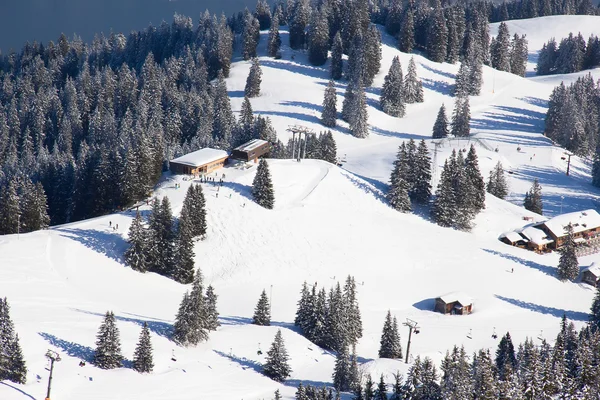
<point x="522" y="9"/>
<point x="572" y="54"/>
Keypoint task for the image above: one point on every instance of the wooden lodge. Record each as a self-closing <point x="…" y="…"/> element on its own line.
<point x="591" y="274"/>
<point x="251" y="151"/>
<point x="202" y="161"/>
<point x="454" y="303"/>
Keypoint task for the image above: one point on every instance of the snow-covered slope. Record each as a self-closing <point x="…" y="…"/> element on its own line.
<point x="328" y="222"/>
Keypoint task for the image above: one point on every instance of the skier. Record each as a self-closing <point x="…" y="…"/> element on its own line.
<point x="109" y="224"/>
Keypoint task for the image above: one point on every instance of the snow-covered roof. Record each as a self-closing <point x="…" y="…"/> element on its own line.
<point x="594" y="269"/>
<point x="201" y="157"/>
<point x="536" y="235"/>
<point x="513" y="236"/>
<point x="251" y="145"/>
<point x="460" y="297"/>
<point x="580" y="220"/>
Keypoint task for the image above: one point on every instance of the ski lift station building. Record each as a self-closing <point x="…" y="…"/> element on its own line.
<point x="454" y="303"/>
<point x="202" y="161"/>
<point x="252" y="150"/>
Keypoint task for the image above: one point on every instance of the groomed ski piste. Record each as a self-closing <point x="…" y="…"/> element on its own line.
<point x="328" y="222"/>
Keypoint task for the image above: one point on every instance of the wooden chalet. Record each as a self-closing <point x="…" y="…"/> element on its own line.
<point x="591" y="274"/>
<point x="586" y="225"/>
<point x="454" y="303"/>
<point x="202" y="161"/>
<point x="252" y="150"/>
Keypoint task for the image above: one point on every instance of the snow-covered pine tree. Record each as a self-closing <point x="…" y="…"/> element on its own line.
<point x="444" y="204"/>
<point x="381" y="391"/>
<point x="305" y="305"/>
<point x="297" y="21"/>
<point x="246" y="123"/>
<point x="262" y="187"/>
<point x="262" y="13"/>
<point x="318" y="37"/>
<point x="190" y="323"/>
<point x="254" y="79"/>
<point x="568" y="266"/>
<point x="12" y="364"/>
<point x="475" y="73"/>
<point x="437" y="34"/>
<point x="142" y="357"/>
<point x="211" y="313"/>
<point x="456" y="375"/>
<point x="413" y="88"/>
<point x="337" y="51"/>
<point x="9" y="208"/>
<point x="421" y="188"/>
<point x="274" y="41"/>
<point x="262" y="312"/>
<point x="406" y="38"/>
<point x="505" y="356"/>
<point x="135" y="255"/>
<point x="250" y="37"/>
<point x="497" y="184"/>
<point x="397" y="194"/>
<point x="392" y="92"/>
<point x="440" y="127"/>
<point x="223" y="121"/>
<point x="500" y="50"/>
<point x="455" y="21"/>
<point x="353" y="323"/>
<point x="183" y="271"/>
<point x="329" y="113"/>
<point x="461" y="85"/>
<point x="533" y="198"/>
<point x="341" y="372"/>
<point x="108" y="344"/>
<point x="17" y="369"/>
<point x="484" y="381"/>
<point x="594" y="318"/>
<point x="359" y="119"/>
<point x="389" y="343"/>
<point x="328" y="147"/>
<point x="369" y="390"/>
<point x="276" y="366"/>
<point x="461" y="118"/>
<point x="518" y="55"/>
<point x="476" y="196"/>
<point x="372" y="54"/>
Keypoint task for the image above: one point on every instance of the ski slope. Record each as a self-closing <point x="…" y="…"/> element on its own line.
<point x="328" y="222"/>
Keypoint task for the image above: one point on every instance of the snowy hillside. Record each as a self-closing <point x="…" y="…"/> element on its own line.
<point x="328" y="222"/>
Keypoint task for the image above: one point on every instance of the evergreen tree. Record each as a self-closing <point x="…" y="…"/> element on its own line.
<point x="190" y="323"/>
<point x="369" y="390"/>
<point x="359" y="124"/>
<point x="476" y="195"/>
<point x="108" y="344"/>
<point x="421" y="188"/>
<point x="318" y="38"/>
<point x="381" y="391"/>
<point x="497" y="184"/>
<point x="505" y="356"/>
<point x="135" y="255"/>
<point x="533" y="198"/>
<point x="297" y="22"/>
<point x="254" y="79"/>
<point x="461" y="118"/>
<point x="250" y="37"/>
<point x="462" y="83"/>
<point x="263" y="14"/>
<point x="437" y="35"/>
<point x="595" y="311"/>
<point x="406" y="40"/>
<point x="390" y="339"/>
<point x="262" y="312"/>
<point x="568" y="266"/>
<point x="518" y="55"/>
<point x="329" y="113"/>
<point x="262" y="187"/>
<point x="336" y="68"/>
<point x="184" y="258"/>
<point x="328" y="147"/>
<point x="223" y="121"/>
<point x="276" y="366"/>
<point x="342" y="380"/>
<point x="398" y="192"/>
<point x="12" y="363"/>
<point x="211" y="314"/>
<point x="142" y="357"/>
<point x="500" y="50"/>
<point x="440" y="127"/>
<point x="17" y="369"/>
<point x="413" y="88"/>
<point x="274" y="41"/>
<point x="392" y="93"/>
<point x="484" y="381"/>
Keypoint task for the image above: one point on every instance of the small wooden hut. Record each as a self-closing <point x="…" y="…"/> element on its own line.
<point x="454" y="303"/>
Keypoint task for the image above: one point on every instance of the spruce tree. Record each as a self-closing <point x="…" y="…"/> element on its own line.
<point x="318" y="38"/>
<point x="262" y="312"/>
<point x="297" y="21"/>
<point x="462" y="82"/>
<point x="390" y="339"/>
<point x="135" y="255"/>
<point x="190" y="322"/>
<point x="142" y="357"/>
<point x="413" y="88"/>
<point x="497" y="184"/>
<point x="392" y="92"/>
<point x="440" y="127"/>
<point x="262" y="187"/>
<point x="17" y="369"/>
<point x="533" y="198"/>
<point x="223" y="119"/>
<point x="274" y="41"/>
<point x="461" y="118"/>
<point x="359" y="121"/>
<point x="421" y="188"/>
<point x="476" y="195"/>
<point x="328" y="147"/>
<point x="254" y="79"/>
<point x="499" y="51"/>
<point x="108" y="344"/>
<point x="381" y="391"/>
<point x="568" y="266"/>
<point x="329" y="113"/>
<point x="505" y="356"/>
<point x="594" y="318"/>
<point x="211" y="314"/>
<point x="184" y="258"/>
<point x="250" y="37"/>
<point x="369" y="390"/>
<point x="342" y="370"/>
<point x="12" y="363"/>
<point x="246" y="122"/>
<point x="337" y="51"/>
<point x="437" y="35"/>
<point x="262" y="13"/>
<point x="276" y="366"/>
<point x="406" y="38"/>
<point x="397" y="194"/>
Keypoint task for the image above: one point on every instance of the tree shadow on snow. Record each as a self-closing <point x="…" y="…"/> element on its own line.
<point x="234" y="320"/>
<point x="304" y="382"/>
<point x="161" y="328"/>
<point x="72" y="349"/>
<point x="525" y="121"/>
<point x="292" y="115"/>
<point x="302" y="104"/>
<point x="240" y="188"/>
<point x="438" y="86"/>
<point x="556" y="312"/>
<point x="242" y="361"/>
<point x="112" y="245"/>
<point x="18" y="390"/>
<point x="369" y="186"/>
<point x="438" y="71"/>
<point x="535" y="101"/>
<point x="531" y="264"/>
<point x="291" y="66"/>
<point x="236" y="93"/>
